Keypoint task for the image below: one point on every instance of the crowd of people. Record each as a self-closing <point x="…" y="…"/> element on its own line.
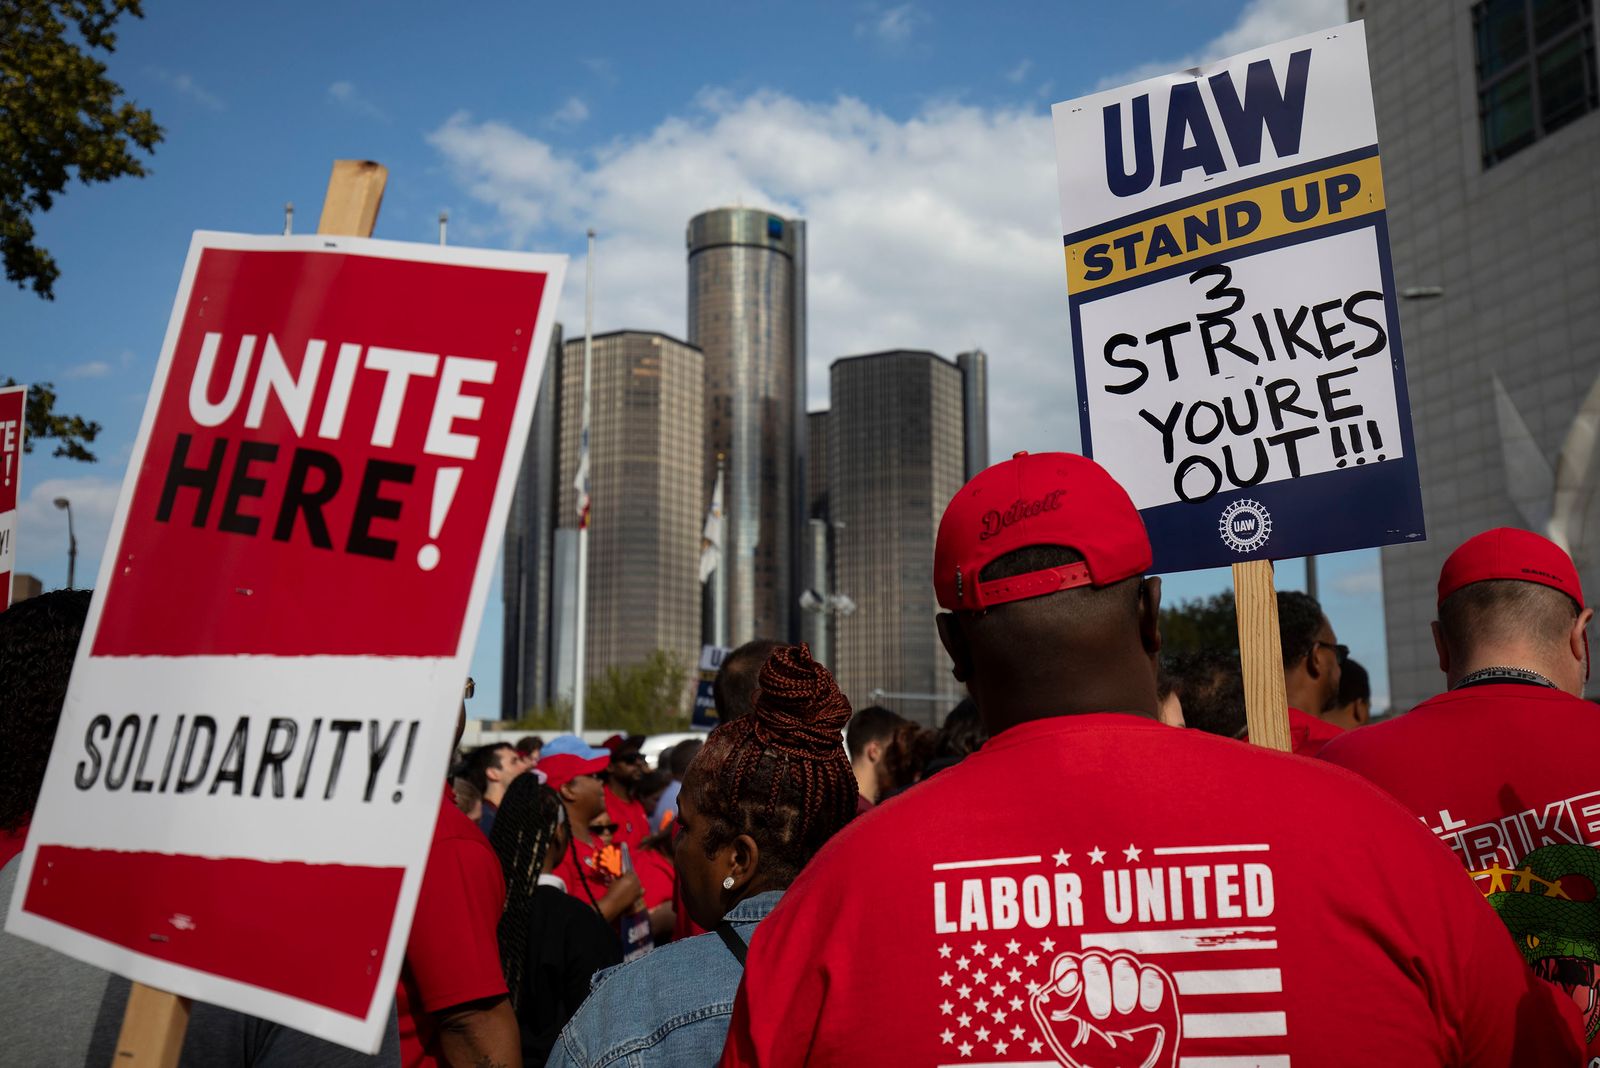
<point x="1085" y="864"/>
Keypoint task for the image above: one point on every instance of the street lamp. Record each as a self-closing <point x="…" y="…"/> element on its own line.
<point x="72" y="543"/>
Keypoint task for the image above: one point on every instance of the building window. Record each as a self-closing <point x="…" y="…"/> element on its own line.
<point x="1536" y="70"/>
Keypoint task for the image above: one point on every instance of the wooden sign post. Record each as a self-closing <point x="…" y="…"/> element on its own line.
<point x="1266" y="707"/>
<point x="154" y="1022"/>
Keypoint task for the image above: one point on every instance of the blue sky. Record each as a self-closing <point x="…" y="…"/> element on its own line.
<point x="913" y="137"/>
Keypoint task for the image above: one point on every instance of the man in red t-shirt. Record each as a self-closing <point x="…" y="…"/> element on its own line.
<point x="452" y="996"/>
<point x="1093" y="888"/>
<point x="627" y="767"/>
<point x="1312" y="659"/>
<point x="573" y="769"/>
<point x="1502" y="766"/>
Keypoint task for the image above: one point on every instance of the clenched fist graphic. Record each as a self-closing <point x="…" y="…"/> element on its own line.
<point x="1108" y="1010"/>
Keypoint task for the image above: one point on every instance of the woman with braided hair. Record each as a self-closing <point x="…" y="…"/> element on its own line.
<point x="763" y="795"/>
<point x="551" y="943"/>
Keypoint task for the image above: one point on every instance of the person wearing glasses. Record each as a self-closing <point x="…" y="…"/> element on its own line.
<point x="577" y="771"/>
<point x="628" y="767"/>
<point x="1312" y="657"/>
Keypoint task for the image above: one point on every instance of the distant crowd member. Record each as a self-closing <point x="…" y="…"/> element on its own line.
<point x="764" y="794"/>
<point x="868" y="736"/>
<point x="1502" y="767"/>
<point x="575" y="771"/>
<point x="1212" y="685"/>
<point x="960" y="737"/>
<point x="468" y="798"/>
<point x="652" y="786"/>
<point x="528" y="748"/>
<point x="452" y="994"/>
<point x="1353" y="707"/>
<point x="904" y="758"/>
<point x="676" y="761"/>
<point x="627" y="768"/>
<point x="491" y="768"/>
<point x="734" y="688"/>
<point x="551" y="944"/>
<point x="1170" y="710"/>
<point x="54" y="1009"/>
<point x="1312" y="657"/>
<point x="1093" y="887"/>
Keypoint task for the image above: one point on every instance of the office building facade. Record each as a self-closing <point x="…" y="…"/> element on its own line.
<point x="896" y="455"/>
<point x="747" y="315"/>
<point x="1491" y="142"/>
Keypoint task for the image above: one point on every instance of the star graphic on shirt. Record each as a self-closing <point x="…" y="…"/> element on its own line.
<point x="963" y="1019"/>
<point x="1000" y="1045"/>
<point x="944" y="951"/>
<point x="982" y="1034"/>
<point x="1061" y="857"/>
<point x="1132" y="852"/>
<point x="980" y="976"/>
<point x="964" y="990"/>
<point x="999" y="1015"/>
<point x="1016" y="1033"/>
<point x="966" y="1049"/>
<point x="995" y="959"/>
<point x="948" y="1036"/>
<point x="1014" y="975"/>
<point x="997" y="989"/>
<point x="1034" y="988"/>
<point x="1016" y="1004"/>
<point x="1013" y="945"/>
<point x="1048" y="945"/>
<point x="962" y="963"/>
<point x="944" y="980"/>
<point x="979" y="948"/>
<point x="982" y="1004"/>
<point x="1031" y="959"/>
<point x="1096" y="855"/>
<point x="945" y="1008"/>
<point x="1035" y="1046"/>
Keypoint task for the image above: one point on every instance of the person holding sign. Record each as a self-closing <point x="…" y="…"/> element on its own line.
<point x="764" y="794"/>
<point x="1518" y="800"/>
<point x="1163" y="902"/>
<point x="574" y="770"/>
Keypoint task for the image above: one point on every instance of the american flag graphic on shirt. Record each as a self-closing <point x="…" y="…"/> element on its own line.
<point x="1134" y="956"/>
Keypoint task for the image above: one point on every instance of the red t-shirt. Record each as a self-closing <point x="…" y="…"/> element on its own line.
<point x="1508" y="776"/>
<point x="1106" y="891"/>
<point x="584" y="877"/>
<point x="453" y="954"/>
<point x="633" y="822"/>
<point x="1308" y="733"/>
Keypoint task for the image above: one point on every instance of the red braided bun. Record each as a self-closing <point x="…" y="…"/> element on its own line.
<point x="799" y="706"/>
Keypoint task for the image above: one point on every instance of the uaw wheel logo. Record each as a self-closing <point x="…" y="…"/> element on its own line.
<point x="1245" y="526"/>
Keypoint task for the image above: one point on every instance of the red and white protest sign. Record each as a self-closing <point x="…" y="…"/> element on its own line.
<point x="13" y="406"/>
<point x="254" y="744"/>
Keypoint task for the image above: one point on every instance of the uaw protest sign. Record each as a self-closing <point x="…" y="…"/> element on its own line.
<point x="253" y="750"/>
<point x="13" y="408"/>
<point x="1233" y="305"/>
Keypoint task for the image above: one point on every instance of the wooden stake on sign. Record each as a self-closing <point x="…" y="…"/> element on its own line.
<point x="1266" y="706"/>
<point x="154" y="1022"/>
<point x="152" y="1029"/>
<point x="355" y="191"/>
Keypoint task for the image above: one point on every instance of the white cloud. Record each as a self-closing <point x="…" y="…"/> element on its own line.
<point x="42" y="527"/>
<point x="571" y="113"/>
<point x="187" y="86"/>
<point x="894" y="26"/>
<point x="1261" y="22"/>
<point x="348" y="97"/>
<point x="938" y="232"/>
<point x="92" y="369"/>
<point x="1367" y="582"/>
<point x="1016" y="74"/>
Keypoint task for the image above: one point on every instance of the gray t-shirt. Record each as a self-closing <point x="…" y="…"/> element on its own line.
<point x="57" y="1012"/>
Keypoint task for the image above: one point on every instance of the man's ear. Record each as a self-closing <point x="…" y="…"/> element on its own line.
<point x="955" y="644"/>
<point x="1441" y="648"/>
<point x="1150" y="615"/>
<point x="873" y="752"/>
<point x="1361" y="709"/>
<point x="1577" y="640"/>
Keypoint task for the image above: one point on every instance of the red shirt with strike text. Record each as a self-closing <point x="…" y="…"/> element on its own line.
<point x="453" y="954"/>
<point x="1508" y="776"/>
<point x="1308" y="733"/>
<point x="1104" y="891"/>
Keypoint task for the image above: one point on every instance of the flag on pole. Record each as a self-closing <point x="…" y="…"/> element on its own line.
<point x="581" y="483"/>
<point x="711" y="537"/>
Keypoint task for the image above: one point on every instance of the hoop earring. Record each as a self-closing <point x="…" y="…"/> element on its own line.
<point x="727" y="884"/>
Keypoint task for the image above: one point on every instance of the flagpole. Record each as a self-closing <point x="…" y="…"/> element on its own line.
<point x="719" y="578"/>
<point x="580" y="641"/>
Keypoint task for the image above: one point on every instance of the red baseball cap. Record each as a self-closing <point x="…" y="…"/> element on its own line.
<point x="1047" y="498"/>
<point x="1509" y="553"/>
<point x="568" y="756"/>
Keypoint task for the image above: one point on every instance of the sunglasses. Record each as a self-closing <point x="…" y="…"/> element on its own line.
<point x="1340" y="652"/>
<point x="602" y="829"/>
<point x="628" y="758"/>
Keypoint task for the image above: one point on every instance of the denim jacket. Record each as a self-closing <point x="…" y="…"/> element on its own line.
<point x="669" y="1007"/>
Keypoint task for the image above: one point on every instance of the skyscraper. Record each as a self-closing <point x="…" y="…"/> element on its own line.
<point x="897" y="449"/>
<point x="974" y="409"/>
<point x="747" y="314"/>
<point x="1491" y="141"/>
